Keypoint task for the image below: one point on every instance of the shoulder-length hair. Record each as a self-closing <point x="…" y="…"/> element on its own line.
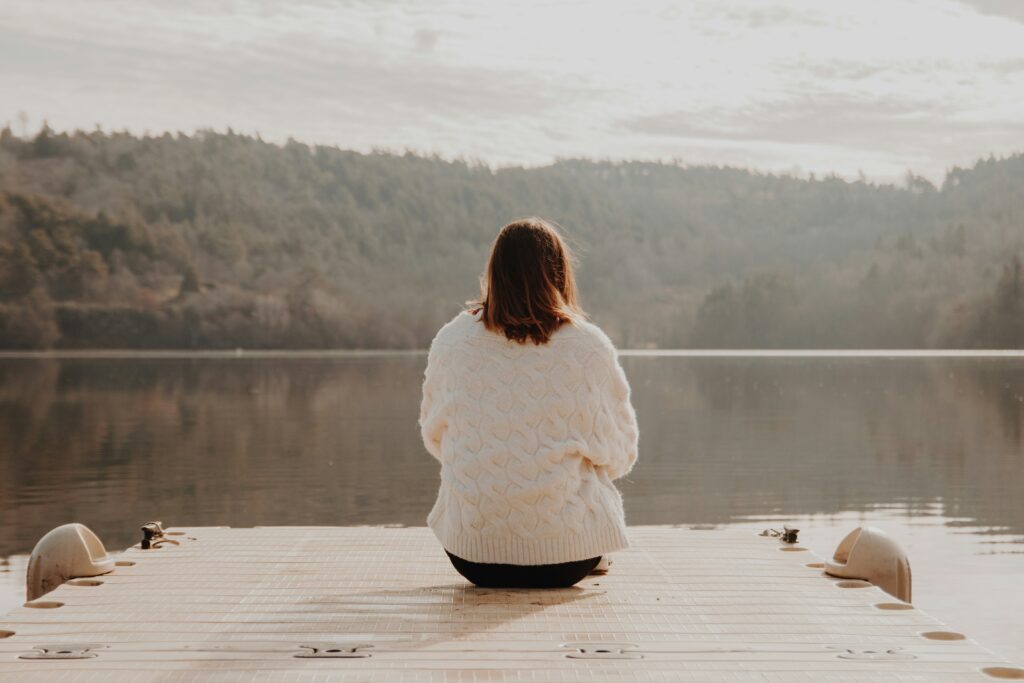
<point x="528" y="290"/>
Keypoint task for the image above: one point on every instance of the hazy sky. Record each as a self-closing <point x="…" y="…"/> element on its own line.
<point x="823" y="85"/>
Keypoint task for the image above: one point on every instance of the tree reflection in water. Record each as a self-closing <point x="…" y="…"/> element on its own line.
<point x="113" y="442"/>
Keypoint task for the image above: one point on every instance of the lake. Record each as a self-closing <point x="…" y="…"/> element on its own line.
<point x="929" y="448"/>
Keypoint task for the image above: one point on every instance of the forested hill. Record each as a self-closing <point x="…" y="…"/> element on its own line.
<point x="223" y="241"/>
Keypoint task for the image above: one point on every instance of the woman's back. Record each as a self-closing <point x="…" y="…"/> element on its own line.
<point x="530" y="437"/>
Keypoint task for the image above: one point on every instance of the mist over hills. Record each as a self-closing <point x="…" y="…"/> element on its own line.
<point x="218" y="240"/>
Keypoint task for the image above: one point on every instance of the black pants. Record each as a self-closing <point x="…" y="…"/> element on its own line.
<point x="488" y="575"/>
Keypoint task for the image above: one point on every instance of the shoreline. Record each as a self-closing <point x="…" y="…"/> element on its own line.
<point x="356" y="353"/>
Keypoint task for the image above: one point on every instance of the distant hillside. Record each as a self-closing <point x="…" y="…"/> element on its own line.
<point x="222" y="241"/>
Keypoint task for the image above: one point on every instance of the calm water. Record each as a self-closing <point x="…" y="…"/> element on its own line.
<point x="931" y="449"/>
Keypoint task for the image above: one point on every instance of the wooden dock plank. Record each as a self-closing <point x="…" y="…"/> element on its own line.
<point x="681" y="605"/>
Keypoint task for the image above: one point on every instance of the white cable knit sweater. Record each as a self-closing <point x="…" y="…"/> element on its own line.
<point x="529" y="438"/>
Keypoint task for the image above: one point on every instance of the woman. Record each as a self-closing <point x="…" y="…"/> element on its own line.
<point x="527" y="408"/>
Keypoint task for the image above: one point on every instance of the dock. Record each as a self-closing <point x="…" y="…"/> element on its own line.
<point x="316" y="604"/>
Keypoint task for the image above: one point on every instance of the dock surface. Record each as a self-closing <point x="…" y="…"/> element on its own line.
<point x="305" y="604"/>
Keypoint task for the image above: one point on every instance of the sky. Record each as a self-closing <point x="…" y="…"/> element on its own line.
<point x="877" y="87"/>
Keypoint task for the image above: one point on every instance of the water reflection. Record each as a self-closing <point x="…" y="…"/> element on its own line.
<point x="113" y="442"/>
<point x="726" y="438"/>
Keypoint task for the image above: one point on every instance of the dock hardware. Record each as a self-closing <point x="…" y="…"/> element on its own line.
<point x="153" y="536"/>
<point x="601" y="651"/>
<point x="71" y="651"/>
<point x="333" y="651"/>
<point x="869" y="554"/>
<point x="888" y="654"/>
<point x="787" y="535"/>
<point x="70" y="551"/>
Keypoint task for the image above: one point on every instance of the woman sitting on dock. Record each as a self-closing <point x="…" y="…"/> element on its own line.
<point x="527" y="409"/>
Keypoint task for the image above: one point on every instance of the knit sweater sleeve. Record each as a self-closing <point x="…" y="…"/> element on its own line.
<point x="434" y="406"/>
<point x="613" y="442"/>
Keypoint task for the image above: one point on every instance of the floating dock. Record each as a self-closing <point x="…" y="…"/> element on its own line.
<point x="315" y="604"/>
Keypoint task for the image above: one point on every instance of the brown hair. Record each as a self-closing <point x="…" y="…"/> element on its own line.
<point x="528" y="290"/>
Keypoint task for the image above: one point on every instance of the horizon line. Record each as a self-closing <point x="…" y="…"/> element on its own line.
<point x="98" y="354"/>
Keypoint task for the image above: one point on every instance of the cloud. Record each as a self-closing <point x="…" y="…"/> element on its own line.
<point x="425" y="40"/>
<point x="1011" y="9"/>
<point x="764" y="15"/>
<point x="836" y="119"/>
<point x="877" y="84"/>
<point x="916" y="131"/>
<point x="1006" y="67"/>
<point x="850" y="70"/>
